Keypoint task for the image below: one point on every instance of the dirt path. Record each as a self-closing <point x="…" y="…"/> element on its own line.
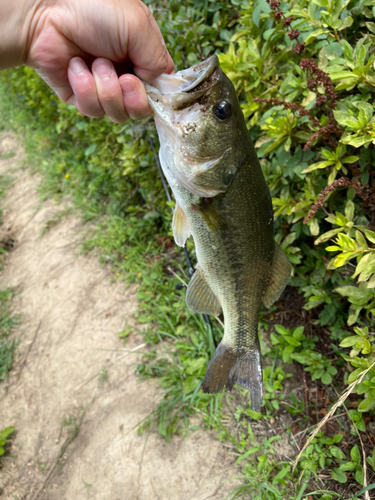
<point x="71" y="359"/>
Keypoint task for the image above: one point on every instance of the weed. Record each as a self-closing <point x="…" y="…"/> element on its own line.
<point x="5" y="438"/>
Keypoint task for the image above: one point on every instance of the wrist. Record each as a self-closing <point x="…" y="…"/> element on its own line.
<point x="16" y="26"/>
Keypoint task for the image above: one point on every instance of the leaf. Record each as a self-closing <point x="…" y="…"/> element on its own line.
<point x="339" y="475"/>
<point x="349" y="291"/>
<point x="326" y="378"/>
<point x="5" y="433"/>
<point x="314" y="227"/>
<point x="349" y="159"/>
<point x="349" y="210"/>
<point x="349" y="341"/>
<point x="191" y="383"/>
<point x="312" y="36"/>
<point x="90" y="149"/>
<point x="316" y="166"/>
<point x="356" y="141"/>
<point x="362" y="264"/>
<point x="342" y="117"/>
<point x="195" y="365"/>
<point x="343" y="258"/>
<point x="371" y="282"/>
<point x="369" y="235"/>
<point x="337" y="453"/>
<point x="355" y="455"/>
<point x="367" y="404"/>
<point x="327" y="236"/>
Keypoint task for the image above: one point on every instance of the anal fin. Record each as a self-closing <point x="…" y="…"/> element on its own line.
<point x="199" y="296"/>
<point x="280" y="275"/>
<point x="180" y="226"/>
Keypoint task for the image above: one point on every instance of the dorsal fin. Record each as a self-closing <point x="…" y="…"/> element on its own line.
<point x="280" y="275"/>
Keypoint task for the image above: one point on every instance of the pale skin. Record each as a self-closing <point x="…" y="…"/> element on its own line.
<point x="73" y="45"/>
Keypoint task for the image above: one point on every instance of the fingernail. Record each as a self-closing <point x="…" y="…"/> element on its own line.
<point x="128" y="87"/>
<point x="103" y="70"/>
<point x="76" y="65"/>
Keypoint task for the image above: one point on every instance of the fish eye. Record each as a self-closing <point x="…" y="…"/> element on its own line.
<point x="223" y="111"/>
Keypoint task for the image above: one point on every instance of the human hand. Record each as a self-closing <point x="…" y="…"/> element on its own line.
<point x="65" y="38"/>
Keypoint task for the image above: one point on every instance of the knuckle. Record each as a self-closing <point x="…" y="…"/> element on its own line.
<point x="160" y="63"/>
<point x="108" y="95"/>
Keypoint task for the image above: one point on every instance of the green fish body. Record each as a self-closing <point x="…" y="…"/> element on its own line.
<point x="222" y="200"/>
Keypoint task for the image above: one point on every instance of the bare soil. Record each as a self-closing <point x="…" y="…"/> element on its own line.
<point x="71" y="360"/>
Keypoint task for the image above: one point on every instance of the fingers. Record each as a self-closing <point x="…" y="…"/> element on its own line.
<point x="85" y="97"/>
<point x="108" y="90"/>
<point x="134" y="96"/>
<point x="146" y="47"/>
<point x="102" y="93"/>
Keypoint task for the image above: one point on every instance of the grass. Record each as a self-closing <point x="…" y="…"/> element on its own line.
<point x="135" y="241"/>
<point x="7" y="322"/>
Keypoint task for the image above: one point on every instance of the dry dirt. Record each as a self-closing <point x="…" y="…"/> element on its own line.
<point x="71" y="314"/>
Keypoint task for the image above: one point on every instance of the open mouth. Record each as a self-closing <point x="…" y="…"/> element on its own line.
<point x="171" y="93"/>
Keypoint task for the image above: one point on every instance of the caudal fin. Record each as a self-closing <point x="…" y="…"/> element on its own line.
<point x="228" y="367"/>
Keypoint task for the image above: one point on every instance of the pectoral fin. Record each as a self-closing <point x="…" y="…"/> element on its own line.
<point x="199" y="296"/>
<point x="280" y="275"/>
<point x="180" y="226"/>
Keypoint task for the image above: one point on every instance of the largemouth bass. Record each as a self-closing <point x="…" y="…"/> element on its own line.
<point x="222" y="200"/>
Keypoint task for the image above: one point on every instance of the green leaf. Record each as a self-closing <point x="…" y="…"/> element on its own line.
<point x="316" y="166"/>
<point x="312" y="36"/>
<point x="349" y="341"/>
<point x="90" y="149"/>
<point x="195" y="365"/>
<point x="371" y="282"/>
<point x="355" y="455"/>
<point x="343" y="258"/>
<point x="357" y="142"/>
<point x="326" y="378"/>
<point x="339" y="475"/>
<point x="349" y="210"/>
<point x="337" y="453"/>
<point x="191" y="383"/>
<point x="349" y="159"/>
<point x="367" y="404"/>
<point x="327" y="236"/>
<point x="369" y="235"/>
<point x="5" y="433"/>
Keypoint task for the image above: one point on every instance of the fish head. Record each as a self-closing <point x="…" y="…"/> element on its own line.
<point x="200" y="126"/>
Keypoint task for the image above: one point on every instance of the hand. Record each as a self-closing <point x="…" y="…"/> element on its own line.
<point x="65" y="38"/>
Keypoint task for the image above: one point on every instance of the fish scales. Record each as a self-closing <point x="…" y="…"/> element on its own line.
<point x="222" y="200"/>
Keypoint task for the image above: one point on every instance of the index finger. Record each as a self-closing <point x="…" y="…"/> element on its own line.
<point x="146" y="47"/>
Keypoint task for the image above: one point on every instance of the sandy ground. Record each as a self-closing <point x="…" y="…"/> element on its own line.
<point x="70" y="360"/>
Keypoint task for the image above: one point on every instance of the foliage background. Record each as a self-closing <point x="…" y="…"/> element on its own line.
<point x="305" y="76"/>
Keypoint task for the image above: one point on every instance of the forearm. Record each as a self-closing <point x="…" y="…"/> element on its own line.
<point x="16" y="26"/>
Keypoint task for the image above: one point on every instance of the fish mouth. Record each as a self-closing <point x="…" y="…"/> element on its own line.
<point x="171" y="93"/>
<point x="179" y="103"/>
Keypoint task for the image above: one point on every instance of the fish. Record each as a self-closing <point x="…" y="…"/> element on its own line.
<point x="223" y="202"/>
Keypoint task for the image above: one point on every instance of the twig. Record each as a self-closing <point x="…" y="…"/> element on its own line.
<point x="61" y="452"/>
<point x="312" y="426"/>
<point x="367" y="495"/>
<point x="29" y="349"/>
<point x="108" y="365"/>
<point x="338" y="403"/>
<point x="177" y="276"/>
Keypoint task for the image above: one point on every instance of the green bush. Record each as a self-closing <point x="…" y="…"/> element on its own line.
<point x="305" y="75"/>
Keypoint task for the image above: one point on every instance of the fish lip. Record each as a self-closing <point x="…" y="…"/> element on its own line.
<point x="162" y="102"/>
<point x="203" y="70"/>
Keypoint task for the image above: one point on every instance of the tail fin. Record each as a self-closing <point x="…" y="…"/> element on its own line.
<point x="228" y="367"/>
